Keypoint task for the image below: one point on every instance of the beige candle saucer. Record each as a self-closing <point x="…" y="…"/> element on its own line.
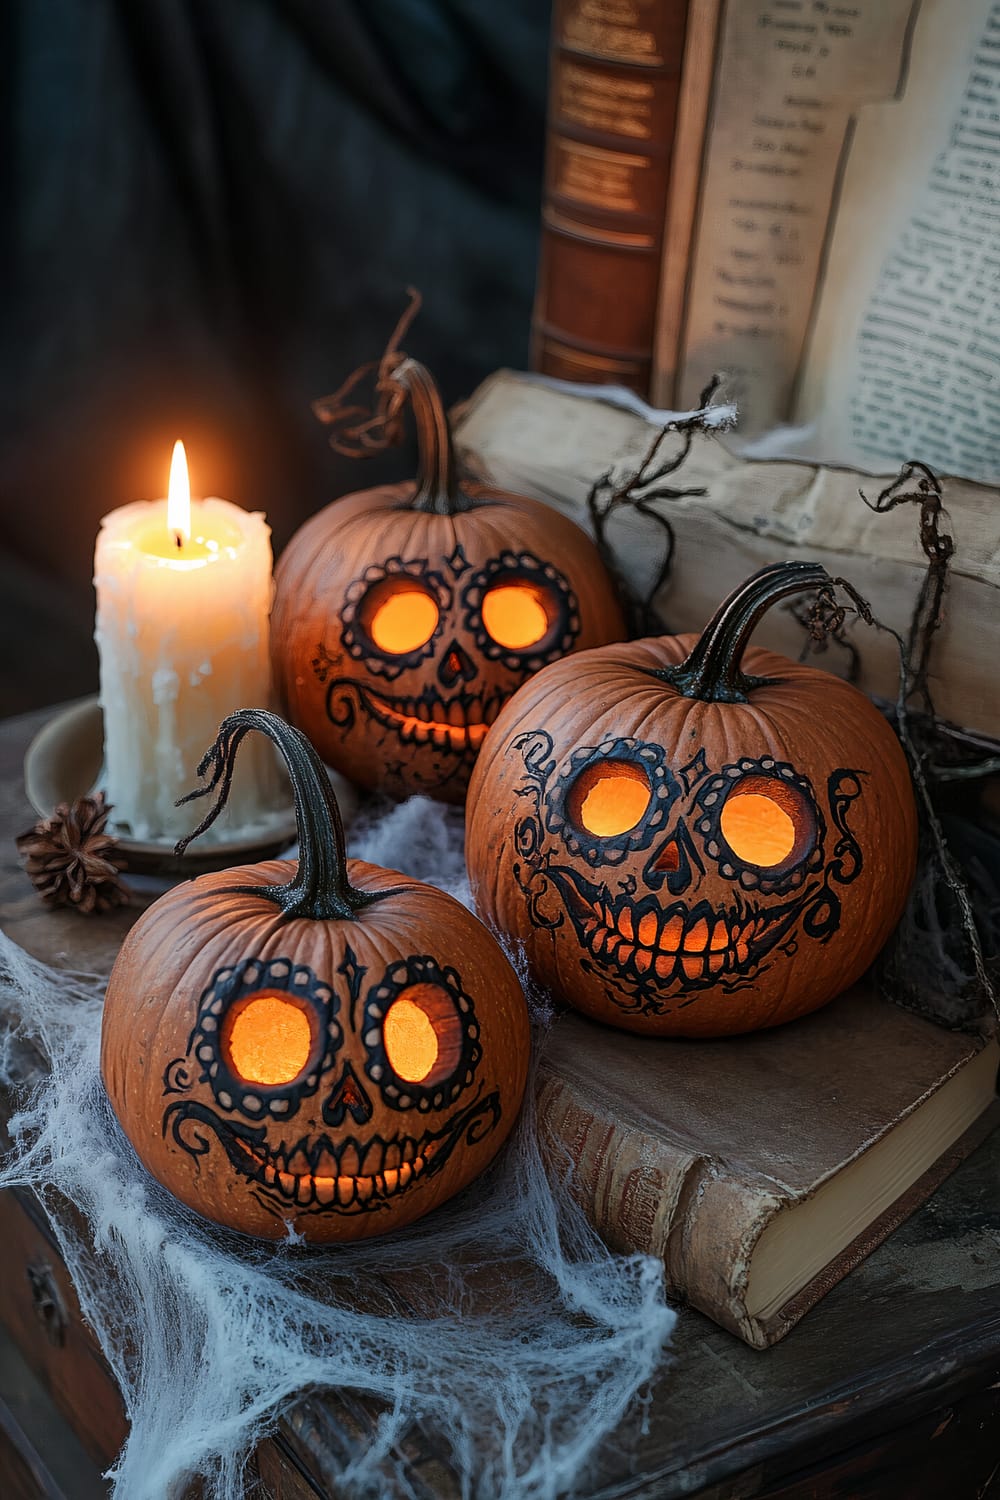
<point x="63" y="762"/>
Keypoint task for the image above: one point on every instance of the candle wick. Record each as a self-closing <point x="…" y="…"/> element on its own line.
<point x="179" y="540"/>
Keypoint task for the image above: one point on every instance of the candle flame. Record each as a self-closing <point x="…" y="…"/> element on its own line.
<point x="179" y="497"/>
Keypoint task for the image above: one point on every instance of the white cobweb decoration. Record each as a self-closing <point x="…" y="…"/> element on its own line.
<point x="501" y="1323"/>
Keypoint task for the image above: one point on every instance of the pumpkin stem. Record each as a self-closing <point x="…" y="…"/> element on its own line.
<point x="437" y="485"/>
<point x="712" y="670"/>
<point x="359" y="433"/>
<point x="321" y="889"/>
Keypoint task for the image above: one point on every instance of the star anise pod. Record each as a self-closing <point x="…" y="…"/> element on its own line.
<point x="71" y="861"/>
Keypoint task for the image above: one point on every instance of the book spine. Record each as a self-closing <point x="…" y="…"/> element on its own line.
<point x="613" y="92"/>
<point x="642" y="1194"/>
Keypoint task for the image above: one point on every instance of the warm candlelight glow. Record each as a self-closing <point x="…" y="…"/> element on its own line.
<point x="179" y="497"/>
<point x="515" y="616"/>
<point x="757" y="828"/>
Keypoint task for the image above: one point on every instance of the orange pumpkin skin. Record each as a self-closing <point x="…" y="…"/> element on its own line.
<point x="665" y="927"/>
<point x="347" y="1148"/>
<point x="410" y="721"/>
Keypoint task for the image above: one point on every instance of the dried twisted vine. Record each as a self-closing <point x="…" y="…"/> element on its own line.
<point x="637" y="491"/>
<point x="915" y="484"/>
<point x="359" y="431"/>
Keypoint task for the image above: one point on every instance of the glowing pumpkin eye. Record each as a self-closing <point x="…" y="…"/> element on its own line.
<point x="609" y="798"/>
<point x="515" y="616"/>
<point x="763" y="821"/>
<point x="267" y="1040"/>
<point x="422" y="1035"/>
<point x="400" y="615"/>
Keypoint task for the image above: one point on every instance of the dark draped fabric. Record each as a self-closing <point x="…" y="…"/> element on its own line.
<point x="211" y="212"/>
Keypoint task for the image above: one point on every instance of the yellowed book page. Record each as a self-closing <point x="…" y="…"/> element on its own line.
<point x="791" y="77"/>
<point x="904" y="361"/>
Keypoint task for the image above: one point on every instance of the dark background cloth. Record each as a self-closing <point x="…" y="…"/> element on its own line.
<point x="211" y="212"/>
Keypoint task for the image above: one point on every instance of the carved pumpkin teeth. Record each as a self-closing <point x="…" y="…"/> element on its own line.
<point x="716" y="961"/>
<point x="325" y="1189"/>
<point x="625" y="923"/>
<point x="742" y="952"/>
<point x="691" y="964"/>
<point x="349" y="1163"/>
<point x="648" y="927"/>
<point x="365" y="1187"/>
<point x="664" y="966"/>
<point x="345" y="1190"/>
<point x="720" y="937"/>
<point x="391" y="1178"/>
<point x="405" y="1173"/>
<point x="416" y="721"/>
<point x="670" y="937"/>
<point x="643" y="960"/>
<point x="286" y="1183"/>
<point x="696" y="939"/>
<point x="372" y="1159"/>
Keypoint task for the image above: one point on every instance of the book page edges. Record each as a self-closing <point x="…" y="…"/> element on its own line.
<point x="701" y="1216"/>
<point x="918" y="1130"/>
<point x="693" y="107"/>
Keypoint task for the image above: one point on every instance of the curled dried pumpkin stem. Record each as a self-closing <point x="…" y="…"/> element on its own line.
<point x="321" y="888"/>
<point x="359" y="432"/>
<point x="712" y="671"/>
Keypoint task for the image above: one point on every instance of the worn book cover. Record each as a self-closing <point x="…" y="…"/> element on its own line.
<point x="762" y="1168"/>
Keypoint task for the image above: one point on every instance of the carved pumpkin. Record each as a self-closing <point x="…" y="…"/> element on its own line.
<point x="333" y="1048"/>
<point x="690" y="838"/>
<point x="405" y="616"/>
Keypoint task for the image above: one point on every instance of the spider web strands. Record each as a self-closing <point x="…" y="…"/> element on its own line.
<point x="499" y="1331"/>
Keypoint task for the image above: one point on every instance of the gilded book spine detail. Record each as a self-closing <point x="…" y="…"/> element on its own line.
<point x="613" y="95"/>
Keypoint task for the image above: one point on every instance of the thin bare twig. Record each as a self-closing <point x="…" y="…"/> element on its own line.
<point x="360" y="431"/>
<point x="638" y="491"/>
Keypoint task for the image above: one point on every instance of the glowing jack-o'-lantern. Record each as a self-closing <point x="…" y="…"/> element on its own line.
<point x="332" y="1047"/>
<point x="405" y="616"/>
<point x="689" y="837"/>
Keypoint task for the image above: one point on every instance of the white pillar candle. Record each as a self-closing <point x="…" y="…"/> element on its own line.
<point x="183" y="602"/>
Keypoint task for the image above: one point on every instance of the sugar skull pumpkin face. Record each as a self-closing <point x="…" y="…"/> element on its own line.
<point x="720" y="866"/>
<point x="423" y="652"/>
<point x="333" y="1098"/>
<point x="327" y="1048"/>
<point x="405" y="617"/>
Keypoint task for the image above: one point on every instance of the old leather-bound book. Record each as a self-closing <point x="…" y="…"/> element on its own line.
<point x="763" y="1168"/>
<point x="613" y="91"/>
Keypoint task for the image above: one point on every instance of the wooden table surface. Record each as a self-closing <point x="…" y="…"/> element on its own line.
<point x="890" y="1387"/>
